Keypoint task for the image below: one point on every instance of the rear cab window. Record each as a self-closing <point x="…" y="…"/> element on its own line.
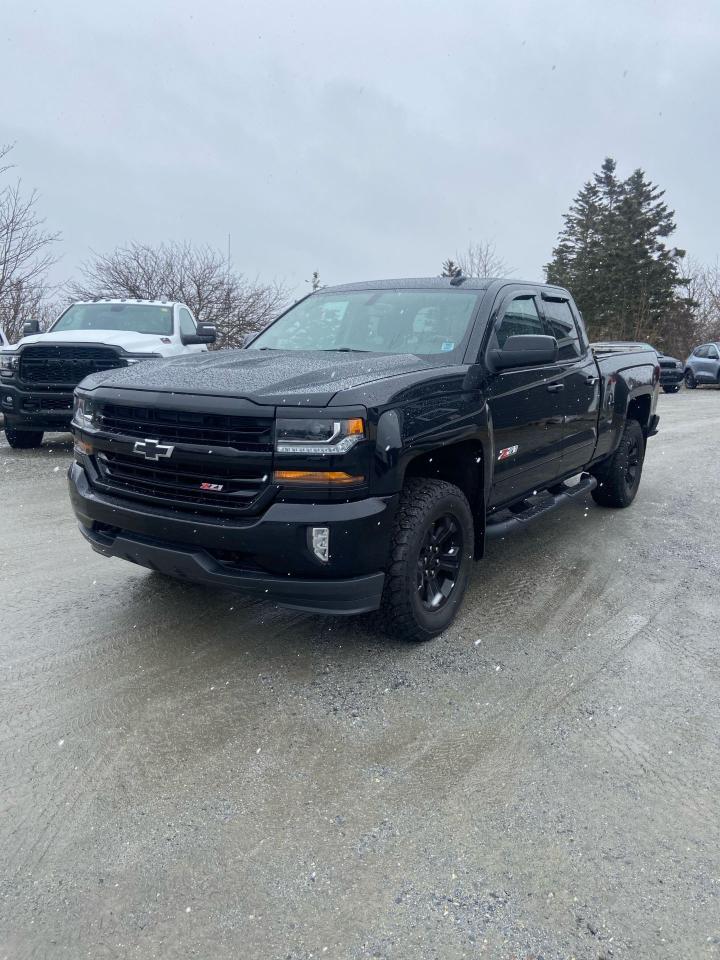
<point x="563" y="326"/>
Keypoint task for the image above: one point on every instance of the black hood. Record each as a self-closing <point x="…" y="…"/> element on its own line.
<point x="279" y="376"/>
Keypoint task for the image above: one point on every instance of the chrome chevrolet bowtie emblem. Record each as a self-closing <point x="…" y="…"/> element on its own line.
<point x="152" y="449"/>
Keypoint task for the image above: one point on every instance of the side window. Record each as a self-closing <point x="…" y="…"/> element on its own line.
<point x="701" y="351"/>
<point x="520" y="317"/>
<point x="563" y="327"/>
<point x="713" y="352"/>
<point x="187" y="324"/>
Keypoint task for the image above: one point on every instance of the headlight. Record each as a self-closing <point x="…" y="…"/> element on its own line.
<point x="83" y="412"/>
<point x="130" y="358"/>
<point x="9" y="363"/>
<point x="318" y="437"/>
<point x="679" y="364"/>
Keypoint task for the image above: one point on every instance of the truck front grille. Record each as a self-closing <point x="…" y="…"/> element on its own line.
<point x="61" y="365"/>
<point x="220" y="488"/>
<point x="172" y="426"/>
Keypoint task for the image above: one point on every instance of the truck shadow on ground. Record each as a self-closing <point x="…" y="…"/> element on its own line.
<point x="519" y="572"/>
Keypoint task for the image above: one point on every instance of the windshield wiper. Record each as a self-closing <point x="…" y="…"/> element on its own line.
<point x="343" y="350"/>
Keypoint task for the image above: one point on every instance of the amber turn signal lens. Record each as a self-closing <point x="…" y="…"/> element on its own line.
<point x="316" y="476"/>
<point x="81" y="446"/>
<point x="355" y="427"/>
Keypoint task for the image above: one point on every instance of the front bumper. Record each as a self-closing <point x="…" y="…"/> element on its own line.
<point x="266" y="556"/>
<point x="671" y="377"/>
<point x="35" y="409"/>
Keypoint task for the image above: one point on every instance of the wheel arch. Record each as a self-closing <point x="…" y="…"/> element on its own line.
<point x="464" y="464"/>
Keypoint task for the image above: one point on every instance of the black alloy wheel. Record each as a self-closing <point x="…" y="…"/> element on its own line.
<point x="438" y="564"/>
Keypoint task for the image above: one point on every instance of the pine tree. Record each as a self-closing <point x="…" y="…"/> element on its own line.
<point x="451" y="269"/>
<point x="611" y="254"/>
<point x="577" y="257"/>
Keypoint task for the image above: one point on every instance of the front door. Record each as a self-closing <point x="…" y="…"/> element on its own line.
<point x="526" y="414"/>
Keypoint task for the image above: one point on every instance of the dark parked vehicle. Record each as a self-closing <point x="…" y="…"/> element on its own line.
<point x="703" y="365"/>
<point x="359" y="452"/>
<point x="672" y="373"/>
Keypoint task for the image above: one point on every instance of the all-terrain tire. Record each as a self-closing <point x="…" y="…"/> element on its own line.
<point x="425" y="506"/>
<point x="23" y="439"/>
<point x="619" y="477"/>
<point x="673" y="389"/>
<point x="690" y="381"/>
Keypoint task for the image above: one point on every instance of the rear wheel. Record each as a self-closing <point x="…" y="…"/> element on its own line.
<point x="690" y="381"/>
<point x="619" y="477"/>
<point x="430" y="560"/>
<point x="673" y="389"/>
<point x="23" y="439"/>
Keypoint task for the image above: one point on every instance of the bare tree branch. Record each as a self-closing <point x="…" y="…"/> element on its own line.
<point x="25" y="255"/>
<point x="198" y="276"/>
<point x="703" y="286"/>
<point x="482" y="260"/>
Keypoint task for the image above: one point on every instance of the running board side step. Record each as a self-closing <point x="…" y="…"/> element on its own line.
<point x="563" y="494"/>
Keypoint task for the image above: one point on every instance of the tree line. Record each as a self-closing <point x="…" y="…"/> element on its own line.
<point x="613" y="253"/>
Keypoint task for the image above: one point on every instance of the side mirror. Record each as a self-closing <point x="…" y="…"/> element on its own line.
<point x="527" y="350"/>
<point x="205" y="333"/>
<point x="31" y="327"/>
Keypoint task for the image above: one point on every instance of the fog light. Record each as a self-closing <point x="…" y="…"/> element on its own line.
<point x="82" y="447"/>
<point x="320" y="542"/>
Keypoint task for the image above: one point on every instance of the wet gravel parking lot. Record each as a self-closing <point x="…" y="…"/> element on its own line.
<point x="185" y="773"/>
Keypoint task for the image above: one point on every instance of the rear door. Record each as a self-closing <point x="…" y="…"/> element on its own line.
<point x="579" y="398"/>
<point x="526" y="417"/>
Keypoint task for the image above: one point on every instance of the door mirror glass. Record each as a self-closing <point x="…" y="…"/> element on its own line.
<point x="525" y="350"/>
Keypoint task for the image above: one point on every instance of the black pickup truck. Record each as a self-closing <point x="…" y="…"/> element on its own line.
<point x="358" y="453"/>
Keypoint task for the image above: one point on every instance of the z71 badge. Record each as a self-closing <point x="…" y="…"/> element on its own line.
<point x="507" y="452"/>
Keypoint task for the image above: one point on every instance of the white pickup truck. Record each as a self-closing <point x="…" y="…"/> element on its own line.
<point x="39" y="373"/>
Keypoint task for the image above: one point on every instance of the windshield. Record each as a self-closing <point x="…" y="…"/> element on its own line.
<point x="377" y="321"/>
<point x="129" y="317"/>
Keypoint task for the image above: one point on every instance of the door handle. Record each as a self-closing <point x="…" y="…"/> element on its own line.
<point x="555" y="387"/>
<point x="591" y="380"/>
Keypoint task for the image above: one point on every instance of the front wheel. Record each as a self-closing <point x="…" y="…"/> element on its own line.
<point x="690" y="381"/>
<point x="673" y="389"/>
<point x="619" y="477"/>
<point x="23" y="439"/>
<point x="430" y="560"/>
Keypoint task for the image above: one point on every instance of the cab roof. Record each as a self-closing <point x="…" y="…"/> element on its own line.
<point x="146" y="303"/>
<point x="415" y="283"/>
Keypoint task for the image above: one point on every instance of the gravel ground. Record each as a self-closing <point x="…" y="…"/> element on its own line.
<point x="187" y="774"/>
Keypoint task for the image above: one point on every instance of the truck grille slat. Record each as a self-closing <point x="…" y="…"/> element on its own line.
<point x="192" y="475"/>
<point x="171" y="426"/>
<point x="177" y="486"/>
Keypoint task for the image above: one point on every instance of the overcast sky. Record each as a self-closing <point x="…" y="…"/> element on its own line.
<point x="366" y="139"/>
